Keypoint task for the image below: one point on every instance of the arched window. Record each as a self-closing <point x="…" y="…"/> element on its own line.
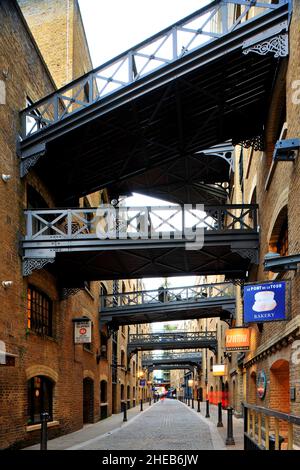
<point x="103" y="391"/>
<point x="40" y="398"/>
<point x="279" y="242"/>
<point x="123" y="358"/>
<point x="103" y="294"/>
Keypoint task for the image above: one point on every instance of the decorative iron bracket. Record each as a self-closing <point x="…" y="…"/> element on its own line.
<point x="29" y="159"/>
<point x="278" y="45"/>
<point x="250" y="253"/>
<point x="274" y="40"/>
<point x="67" y="292"/>
<point x="32" y="264"/>
<point x="257" y="143"/>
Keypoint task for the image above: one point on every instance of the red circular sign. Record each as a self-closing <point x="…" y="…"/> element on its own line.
<point x="82" y="331"/>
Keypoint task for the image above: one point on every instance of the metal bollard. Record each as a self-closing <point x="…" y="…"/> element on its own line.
<point x="188" y="401"/>
<point x="229" y="439"/>
<point x="192" y="402"/>
<point x="44" y="430"/>
<point x="149" y="401"/>
<point x="198" y="409"/>
<point x="207" y="409"/>
<point x="220" y="424"/>
<point x="141" y="404"/>
<point x="125" y="411"/>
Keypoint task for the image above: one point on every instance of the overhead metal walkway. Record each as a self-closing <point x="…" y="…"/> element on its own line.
<point x="172" y="340"/>
<point x="171" y="358"/>
<point x="176" y="303"/>
<point x="205" y="80"/>
<point x="77" y="244"/>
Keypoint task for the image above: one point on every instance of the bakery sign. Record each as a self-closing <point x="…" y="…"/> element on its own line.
<point x="237" y="339"/>
<point x="265" y="302"/>
<point x="82" y="331"/>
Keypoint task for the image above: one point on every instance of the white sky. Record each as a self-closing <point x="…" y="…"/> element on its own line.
<point x="113" y="26"/>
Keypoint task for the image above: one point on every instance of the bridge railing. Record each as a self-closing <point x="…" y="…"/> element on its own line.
<point x="171" y="356"/>
<point x="210" y="23"/>
<point x="178" y="336"/>
<point x="155" y="297"/>
<point x="267" y="429"/>
<point x="177" y="221"/>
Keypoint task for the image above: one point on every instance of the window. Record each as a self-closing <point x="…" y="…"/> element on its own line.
<point x="279" y="242"/>
<point x="103" y="391"/>
<point x="40" y="398"/>
<point x="103" y="339"/>
<point x="283" y="240"/>
<point x="133" y="368"/>
<point x="39" y="312"/>
<point x="211" y="364"/>
<point x="122" y="358"/>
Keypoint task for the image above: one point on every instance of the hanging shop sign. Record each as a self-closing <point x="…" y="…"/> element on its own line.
<point x="219" y="370"/>
<point x="261" y="384"/>
<point x="237" y="339"/>
<point x="82" y="331"/>
<point x="265" y="302"/>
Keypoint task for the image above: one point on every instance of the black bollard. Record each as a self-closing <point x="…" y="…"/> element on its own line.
<point x="44" y="431"/>
<point x="198" y="409"/>
<point x="188" y="401"/>
<point x="149" y="401"/>
<point x="229" y="439"/>
<point x="141" y="404"/>
<point x="207" y="409"/>
<point x="192" y="402"/>
<point x="125" y="411"/>
<point x="220" y="424"/>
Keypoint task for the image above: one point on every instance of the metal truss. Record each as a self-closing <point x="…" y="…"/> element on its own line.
<point x="171" y="358"/>
<point x="53" y="231"/>
<point x="171" y="367"/>
<point x="172" y="340"/>
<point x="161" y="50"/>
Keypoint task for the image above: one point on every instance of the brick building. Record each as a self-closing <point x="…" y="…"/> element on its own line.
<point x="75" y="383"/>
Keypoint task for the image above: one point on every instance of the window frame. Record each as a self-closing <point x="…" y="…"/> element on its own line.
<point x="41" y="299"/>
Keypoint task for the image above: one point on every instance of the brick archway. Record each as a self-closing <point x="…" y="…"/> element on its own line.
<point x="280" y="386"/>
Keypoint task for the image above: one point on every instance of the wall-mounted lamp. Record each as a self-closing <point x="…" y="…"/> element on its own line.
<point x="7" y="284"/>
<point x="5" y="177"/>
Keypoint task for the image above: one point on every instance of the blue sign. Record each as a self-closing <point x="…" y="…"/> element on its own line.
<point x="264" y="302"/>
<point x="142" y="382"/>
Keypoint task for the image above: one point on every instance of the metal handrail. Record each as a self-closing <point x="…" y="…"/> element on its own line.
<point x="160" y="50"/>
<point x="154" y="297"/>
<point x="139" y="222"/>
<point x="258" y="428"/>
<point x="171" y="336"/>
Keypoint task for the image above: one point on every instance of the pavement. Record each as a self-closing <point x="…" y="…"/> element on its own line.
<point x="166" y="425"/>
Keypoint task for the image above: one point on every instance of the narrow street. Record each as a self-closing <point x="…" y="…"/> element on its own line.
<point x="166" y="425"/>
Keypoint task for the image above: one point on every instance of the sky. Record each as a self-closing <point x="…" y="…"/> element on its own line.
<point x="114" y="26"/>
